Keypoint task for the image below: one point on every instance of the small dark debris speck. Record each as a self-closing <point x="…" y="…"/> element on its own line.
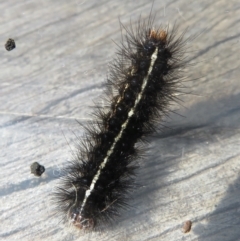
<point x="37" y="169"/>
<point x="10" y="45"/>
<point x="187" y="226"/>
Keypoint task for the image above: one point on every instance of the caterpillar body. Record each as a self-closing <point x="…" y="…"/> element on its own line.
<point x="143" y="81"/>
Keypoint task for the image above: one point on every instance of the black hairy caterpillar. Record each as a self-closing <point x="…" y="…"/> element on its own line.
<point x="143" y="80"/>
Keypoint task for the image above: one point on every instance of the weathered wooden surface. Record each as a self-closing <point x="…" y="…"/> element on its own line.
<point x="51" y="79"/>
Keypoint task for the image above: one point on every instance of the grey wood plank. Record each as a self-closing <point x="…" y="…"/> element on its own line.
<point x="56" y="72"/>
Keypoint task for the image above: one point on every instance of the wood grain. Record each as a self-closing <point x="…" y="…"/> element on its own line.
<point x="51" y="80"/>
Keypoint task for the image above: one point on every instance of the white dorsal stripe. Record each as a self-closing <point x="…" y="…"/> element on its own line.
<point x="123" y="127"/>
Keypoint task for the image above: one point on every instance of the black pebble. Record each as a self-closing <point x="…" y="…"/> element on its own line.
<point x="37" y="169"/>
<point x="10" y="45"/>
